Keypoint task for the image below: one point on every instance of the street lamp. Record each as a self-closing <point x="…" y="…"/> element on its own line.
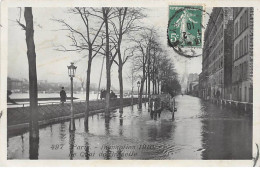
<point x="138" y="85"/>
<point x="71" y="72"/>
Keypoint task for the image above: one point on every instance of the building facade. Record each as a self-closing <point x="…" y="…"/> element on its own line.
<point x="242" y="79"/>
<point x="217" y="55"/>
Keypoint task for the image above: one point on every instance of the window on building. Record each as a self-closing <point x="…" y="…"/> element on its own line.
<point x="242" y="71"/>
<point x="246" y="69"/>
<point x="235" y="73"/>
<point x="245" y="50"/>
<point x="236" y="29"/>
<point x="240" y="25"/>
<point x="246" y="43"/>
<point x="239" y="94"/>
<point x="236" y="52"/>
<point x="238" y="71"/>
<point x="245" y="93"/>
<point x="244" y="20"/>
<point x="247" y="18"/>
<point x="240" y="49"/>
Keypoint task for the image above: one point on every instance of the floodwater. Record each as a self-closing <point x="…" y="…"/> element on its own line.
<point x="200" y="130"/>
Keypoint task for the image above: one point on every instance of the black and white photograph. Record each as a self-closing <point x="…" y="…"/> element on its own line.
<point x="130" y="83"/>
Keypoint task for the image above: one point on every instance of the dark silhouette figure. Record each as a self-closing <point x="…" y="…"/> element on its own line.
<point x="63" y="96"/>
<point x="156" y="107"/>
<point x="112" y="95"/>
<point x="9" y="100"/>
<point x="104" y="92"/>
<point x="218" y="94"/>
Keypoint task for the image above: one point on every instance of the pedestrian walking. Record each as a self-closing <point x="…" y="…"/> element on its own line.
<point x="63" y="96"/>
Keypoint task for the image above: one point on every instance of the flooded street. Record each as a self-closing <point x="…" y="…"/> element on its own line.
<point x="200" y="130"/>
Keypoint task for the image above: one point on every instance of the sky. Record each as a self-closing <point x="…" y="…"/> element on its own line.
<point x="52" y="64"/>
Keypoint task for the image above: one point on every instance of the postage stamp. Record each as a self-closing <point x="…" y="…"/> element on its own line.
<point x="185" y="25"/>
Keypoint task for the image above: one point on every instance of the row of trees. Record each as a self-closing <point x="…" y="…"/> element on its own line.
<point x="116" y="34"/>
<point x="152" y="63"/>
<point x="102" y="31"/>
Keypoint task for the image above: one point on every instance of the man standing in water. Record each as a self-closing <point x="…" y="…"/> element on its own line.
<point x="63" y="96"/>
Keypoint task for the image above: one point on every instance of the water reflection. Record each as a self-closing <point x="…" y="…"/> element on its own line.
<point x="200" y="130"/>
<point x="72" y="142"/>
<point x="51" y="132"/>
<point x="107" y="125"/>
<point x="121" y="121"/>
<point x="22" y="144"/>
<point x="173" y="116"/>
<point x="107" y="153"/>
<point x="86" y="124"/>
<point x="87" y="153"/>
<point x="225" y="139"/>
<point x="62" y="132"/>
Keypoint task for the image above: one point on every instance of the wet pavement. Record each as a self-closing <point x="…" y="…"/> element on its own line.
<point x="200" y="130"/>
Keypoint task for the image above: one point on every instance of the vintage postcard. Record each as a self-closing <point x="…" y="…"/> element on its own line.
<point x="130" y="83"/>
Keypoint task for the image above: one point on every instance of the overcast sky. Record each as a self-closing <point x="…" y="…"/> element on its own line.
<point x="52" y="64"/>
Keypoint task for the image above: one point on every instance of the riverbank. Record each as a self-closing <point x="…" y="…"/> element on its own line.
<point x="18" y="118"/>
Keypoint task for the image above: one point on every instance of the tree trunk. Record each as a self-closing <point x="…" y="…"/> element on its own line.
<point x="120" y="70"/>
<point x="87" y="90"/>
<point x="149" y="81"/>
<point x="141" y="88"/>
<point x="155" y="86"/>
<point x="158" y="86"/>
<point x="33" y="91"/>
<point x="120" y="77"/>
<point x="146" y="80"/>
<point x="141" y="93"/>
<point x="107" y="63"/>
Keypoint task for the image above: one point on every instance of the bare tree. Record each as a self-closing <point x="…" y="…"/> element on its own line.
<point x="123" y="23"/>
<point x="132" y="77"/>
<point x="143" y="44"/>
<point x="155" y="59"/>
<point x="89" y="40"/>
<point x="33" y="90"/>
<point x="110" y="57"/>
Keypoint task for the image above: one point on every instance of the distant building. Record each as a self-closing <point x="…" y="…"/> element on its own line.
<point x="193" y="88"/>
<point x="242" y="79"/>
<point x="195" y="91"/>
<point x="15" y="85"/>
<point x="193" y="77"/>
<point x="42" y="81"/>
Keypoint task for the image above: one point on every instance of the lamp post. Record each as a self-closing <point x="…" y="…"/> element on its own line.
<point x="71" y="72"/>
<point x="138" y="85"/>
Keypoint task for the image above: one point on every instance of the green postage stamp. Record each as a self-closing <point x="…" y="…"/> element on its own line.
<point x="184" y="27"/>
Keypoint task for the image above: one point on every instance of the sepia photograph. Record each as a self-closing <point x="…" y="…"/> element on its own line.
<point x="130" y="83"/>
